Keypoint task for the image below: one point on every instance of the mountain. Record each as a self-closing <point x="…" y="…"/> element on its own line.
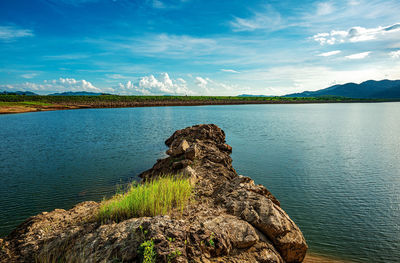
<point x="28" y="93"/>
<point x="77" y="93"/>
<point x="371" y="89"/>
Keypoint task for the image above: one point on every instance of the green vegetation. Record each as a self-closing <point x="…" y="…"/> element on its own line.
<point x="39" y="102"/>
<point x="147" y="251"/>
<point x="110" y="100"/>
<point x="23" y="103"/>
<point x="156" y="197"/>
<point x="172" y="255"/>
<point x="211" y="240"/>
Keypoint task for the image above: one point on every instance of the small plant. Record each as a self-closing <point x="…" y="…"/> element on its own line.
<point x="147" y="251"/>
<point x="211" y="240"/>
<point x="171" y="256"/>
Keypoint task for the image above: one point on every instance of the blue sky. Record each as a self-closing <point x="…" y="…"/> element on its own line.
<point x="196" y="47"/>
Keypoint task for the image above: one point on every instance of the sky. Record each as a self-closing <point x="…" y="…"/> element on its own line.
<point x="196" y="47"/>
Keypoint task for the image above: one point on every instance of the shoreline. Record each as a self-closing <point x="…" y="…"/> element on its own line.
<point x="16" y="107"/>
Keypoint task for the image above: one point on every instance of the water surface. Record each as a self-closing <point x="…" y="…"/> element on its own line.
<point x="334" y="167"/>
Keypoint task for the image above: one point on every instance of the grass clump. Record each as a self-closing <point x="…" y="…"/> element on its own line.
<point x="155" y="197"/>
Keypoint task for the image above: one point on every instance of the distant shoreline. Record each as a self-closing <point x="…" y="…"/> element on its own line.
<point x="20" y="104"/>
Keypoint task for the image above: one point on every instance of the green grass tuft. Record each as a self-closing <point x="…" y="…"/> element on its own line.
<point x="156" y="197"/>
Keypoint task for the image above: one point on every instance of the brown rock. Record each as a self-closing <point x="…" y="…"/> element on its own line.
<point x="240" y="233"/>
<point x="180" y="149"/>
<point x="192" y="152"/>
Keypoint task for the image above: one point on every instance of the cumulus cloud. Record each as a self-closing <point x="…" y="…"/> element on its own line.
<point x="330" y="53"/>
<point x="355" y="34"/>
<point x="201" y="83"/>
<point x="55" y="85"/>
<point x="395" y="54"/>
<point x="359" y="55"/>
<point x="208" y="86"/>
<point x="9" y="33"/>
<point x="146" y="85"/>
<point x="150" y="85"/>
<point x="230" y="70"/>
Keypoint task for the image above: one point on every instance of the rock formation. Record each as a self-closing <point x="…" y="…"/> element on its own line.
<point x="230" y="219"/>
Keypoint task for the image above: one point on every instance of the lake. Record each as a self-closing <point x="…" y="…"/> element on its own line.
<point x="335" y="168"/>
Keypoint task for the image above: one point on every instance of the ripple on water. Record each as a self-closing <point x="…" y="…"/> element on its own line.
<point x="334" y="167"/>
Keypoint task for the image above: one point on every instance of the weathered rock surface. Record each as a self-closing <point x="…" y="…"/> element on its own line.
<point x="230" y="220"/>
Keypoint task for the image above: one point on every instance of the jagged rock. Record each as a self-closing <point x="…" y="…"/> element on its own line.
<point x="231" y="219"/>
<point x="240" y="233"/>
<point x="180" y="149"/>
<point x="192" y="152"/>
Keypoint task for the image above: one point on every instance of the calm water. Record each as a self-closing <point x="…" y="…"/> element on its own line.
<point x="334" y="167"/>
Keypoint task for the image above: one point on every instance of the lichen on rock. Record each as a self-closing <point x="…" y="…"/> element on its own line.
<point x="230" y="219"/>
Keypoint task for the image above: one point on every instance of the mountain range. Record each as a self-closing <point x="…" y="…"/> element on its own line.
<point x="371" y="89"/>
<point x="28" y="93"/>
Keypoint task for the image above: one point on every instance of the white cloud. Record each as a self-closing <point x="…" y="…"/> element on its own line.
<point x="115" y="76"/>
<point x="150" y="85"/>
<point x="7" y="87"/>
<point x="166" y="45"/>
<point x="208" y="86"/>
<point x="359" y="55"/>
<point x="268" y="19"/>
<point x="291" y="79"/>
<point x="230" y="70"/>
<point x="353" y="3"/>
<point x="9" y="33"/>
<point x="201" y="82"/>
<point x="29" y="75"/>
<point x="395" y="54"/>
<point x="330" y="53"/>
<point x="325" y="8"/>
<point x="355" y="34"/>
<point x="56" y="85"/>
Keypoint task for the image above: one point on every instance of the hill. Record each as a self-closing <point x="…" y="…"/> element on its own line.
<point x="371" y="89"/>
<point x="28" y="93"/>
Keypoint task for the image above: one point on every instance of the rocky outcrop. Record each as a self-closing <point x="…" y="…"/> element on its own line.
<point x="231" y="219"/>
